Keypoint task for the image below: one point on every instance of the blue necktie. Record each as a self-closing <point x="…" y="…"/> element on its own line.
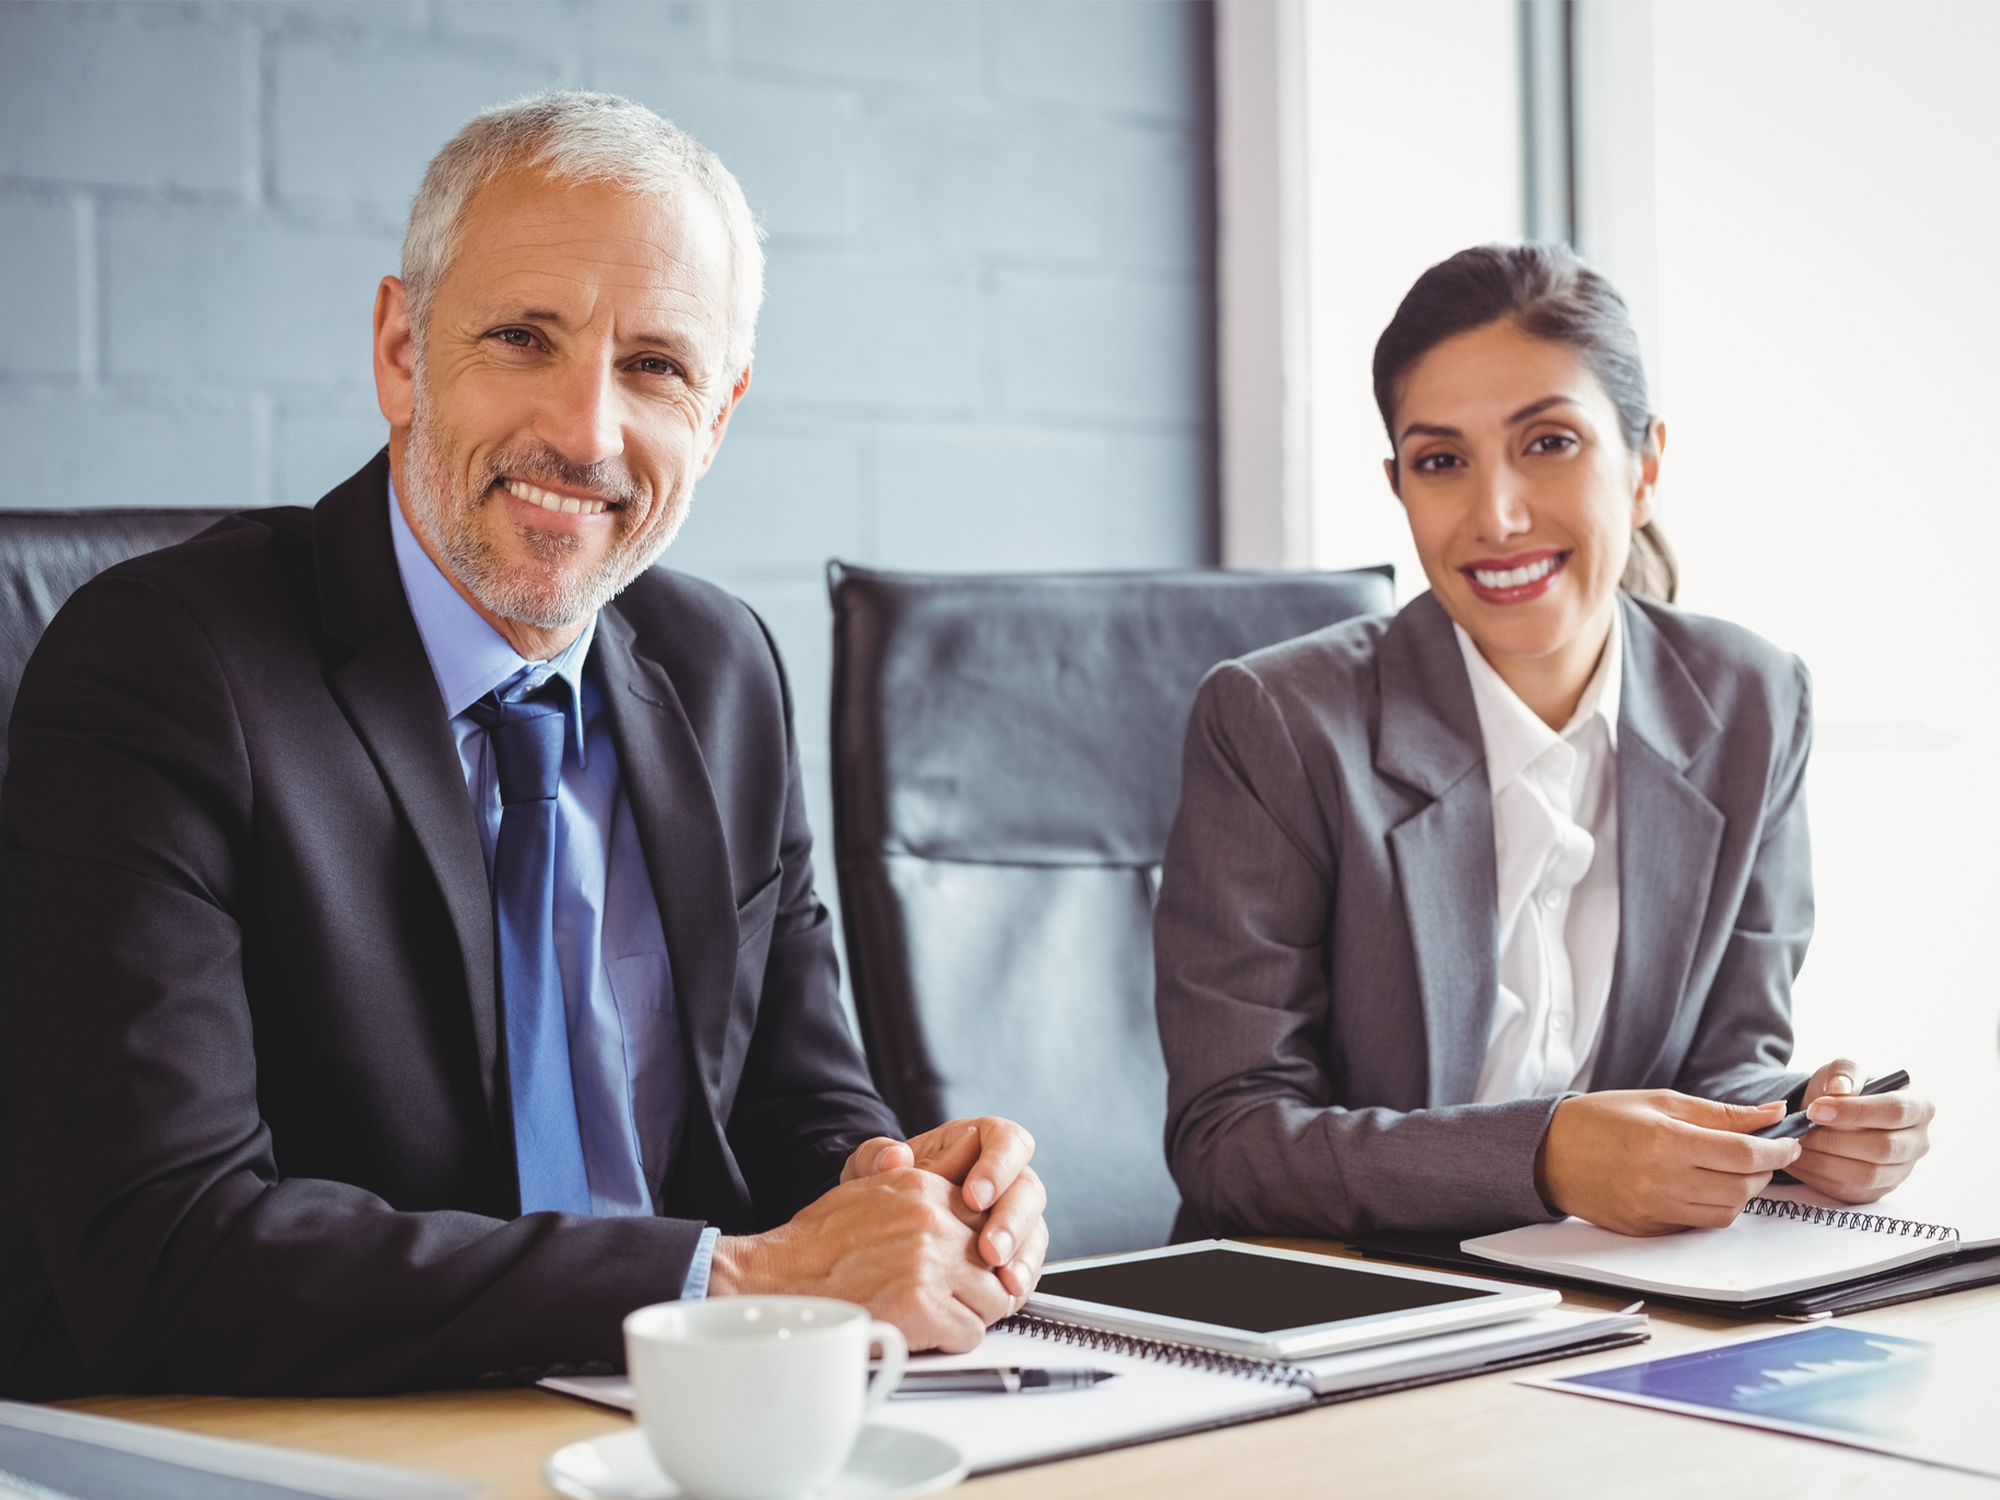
<point x="527" y="738"/>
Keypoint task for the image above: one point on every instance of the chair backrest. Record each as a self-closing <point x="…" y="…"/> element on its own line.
<point x="47" y="555"/>
<point x="1006" y="764"/>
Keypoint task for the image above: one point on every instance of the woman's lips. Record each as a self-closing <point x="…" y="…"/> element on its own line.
<point x="1514" y="580"/>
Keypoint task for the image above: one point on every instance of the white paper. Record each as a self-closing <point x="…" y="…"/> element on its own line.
<point x="1151" y="1398"/>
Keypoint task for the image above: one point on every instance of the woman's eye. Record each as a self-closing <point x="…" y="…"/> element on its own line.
<point x="1552" y="442"/>
<point x="1437" y="463"/>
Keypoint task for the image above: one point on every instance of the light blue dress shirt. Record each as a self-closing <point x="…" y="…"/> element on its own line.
<point x="625" y="1057"/>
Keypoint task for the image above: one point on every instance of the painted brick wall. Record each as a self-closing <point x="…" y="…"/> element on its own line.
<point x="987" y="339"/>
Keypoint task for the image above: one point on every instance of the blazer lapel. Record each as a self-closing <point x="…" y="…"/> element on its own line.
<point x="1669" y="836"/>
<point x="390" y="695"/>
<point x="1429" y="741"/>
<point x="687" y="855"/>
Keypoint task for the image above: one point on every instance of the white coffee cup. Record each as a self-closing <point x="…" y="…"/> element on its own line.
<point x="757" y="1398"/>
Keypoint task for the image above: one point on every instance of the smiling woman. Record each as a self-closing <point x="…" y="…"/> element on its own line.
<point x="1490" y="913"/>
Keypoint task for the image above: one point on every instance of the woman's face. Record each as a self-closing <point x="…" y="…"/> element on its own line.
<point x="1521" y="494"/>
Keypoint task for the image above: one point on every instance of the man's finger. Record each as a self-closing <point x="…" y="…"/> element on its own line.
<point x="1004" y="1149"/>
<point x="1022" y="1272"/>
<point x="949" y="1150"/>
<point x="978" y="1288"/>
<point x="948" y="1325"/>
<point x="1013" y="1218"/>
<point x="873" y="1157"/>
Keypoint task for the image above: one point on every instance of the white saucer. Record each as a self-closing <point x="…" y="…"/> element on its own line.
<point x="888" y="1463"/>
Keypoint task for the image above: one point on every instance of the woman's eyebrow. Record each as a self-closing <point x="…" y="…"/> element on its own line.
<point x="1536" y="408"/>
<point x="1532" y="409"/>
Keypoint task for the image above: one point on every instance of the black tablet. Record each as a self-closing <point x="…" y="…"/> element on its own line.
<point x="1271" y="1304"/>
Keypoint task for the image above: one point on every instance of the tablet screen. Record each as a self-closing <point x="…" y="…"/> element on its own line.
<point x="1258" y="1293"/>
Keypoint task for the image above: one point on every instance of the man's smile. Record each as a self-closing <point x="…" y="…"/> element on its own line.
<point x="562" y="505"/>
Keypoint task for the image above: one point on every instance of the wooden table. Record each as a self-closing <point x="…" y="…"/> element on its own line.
<point x="1486" y="1436"/>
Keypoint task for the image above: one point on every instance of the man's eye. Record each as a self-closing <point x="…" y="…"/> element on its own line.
<point x="656" y="367"/>
<point x="520" y="338"/>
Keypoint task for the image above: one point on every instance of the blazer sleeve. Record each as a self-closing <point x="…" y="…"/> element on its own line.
<point x="180" y="1254"/>
<point x="1258" y="1137"/>
<point x="1742" y="1047"/>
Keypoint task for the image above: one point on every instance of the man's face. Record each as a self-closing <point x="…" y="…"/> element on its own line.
<point x="568" y="394"/>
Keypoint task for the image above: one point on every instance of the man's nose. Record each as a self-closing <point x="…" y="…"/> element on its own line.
<point x="582" y="418"/>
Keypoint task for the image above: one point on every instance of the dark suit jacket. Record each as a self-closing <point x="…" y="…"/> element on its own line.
<point x="1326" y="940"/>
<point x="249" y="1030"/>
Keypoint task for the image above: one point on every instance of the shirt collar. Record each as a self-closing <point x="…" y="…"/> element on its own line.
<point x="1513" y="734"/>
<point x="469" y="658"/>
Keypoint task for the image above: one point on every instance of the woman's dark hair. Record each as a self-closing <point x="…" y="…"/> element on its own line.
<point x="1545" y="291"/>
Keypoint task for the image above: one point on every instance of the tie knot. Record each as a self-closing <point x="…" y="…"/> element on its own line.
<point x="527" y="736"/>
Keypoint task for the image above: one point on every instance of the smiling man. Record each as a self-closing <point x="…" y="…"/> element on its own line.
<point x="413" y="962"/>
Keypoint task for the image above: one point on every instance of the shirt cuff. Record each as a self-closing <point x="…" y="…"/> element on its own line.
<point x="696" y="1286"/>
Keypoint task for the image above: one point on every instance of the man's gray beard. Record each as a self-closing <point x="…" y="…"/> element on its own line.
<point x="555" y="596"/>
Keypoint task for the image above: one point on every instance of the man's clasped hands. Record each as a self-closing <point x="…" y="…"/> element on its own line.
<point x="941" y="1235"/>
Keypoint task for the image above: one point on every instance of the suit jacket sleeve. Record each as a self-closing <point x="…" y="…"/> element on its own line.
<point x="181" y="1255"/>
<point x="1257" y="1136"/>
<point x="1743" y="1044"/>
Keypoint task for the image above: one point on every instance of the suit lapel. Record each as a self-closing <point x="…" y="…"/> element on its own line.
<point x="391" y="697"/>
<point x="687" y="854"/>
<point x="1669" y="836"/>
<point x="1429" y="741"/>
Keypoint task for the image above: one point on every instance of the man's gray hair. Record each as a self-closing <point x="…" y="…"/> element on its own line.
<point x="578" y="137"/>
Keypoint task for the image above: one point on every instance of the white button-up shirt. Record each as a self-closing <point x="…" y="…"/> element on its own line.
<point x="1555" y="841"/>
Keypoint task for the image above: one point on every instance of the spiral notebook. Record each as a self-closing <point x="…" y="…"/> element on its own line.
<point x="1787" y="1240"/>
<point x="1167" y="1390"/>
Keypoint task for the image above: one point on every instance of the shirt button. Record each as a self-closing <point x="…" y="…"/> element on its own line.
<point x="1552" y="899"/>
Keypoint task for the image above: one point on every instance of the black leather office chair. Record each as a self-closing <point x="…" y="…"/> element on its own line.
<point x="1006" y="764"/>
<point x="47" y="555"/>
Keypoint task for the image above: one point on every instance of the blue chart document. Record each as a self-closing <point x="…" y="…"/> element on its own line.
<point x="1933" y="1402"/>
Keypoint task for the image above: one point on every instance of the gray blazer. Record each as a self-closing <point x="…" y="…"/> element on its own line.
<point x="1326" y="942"/>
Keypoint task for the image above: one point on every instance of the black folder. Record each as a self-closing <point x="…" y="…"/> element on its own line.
<point x="1931" y="1278"/>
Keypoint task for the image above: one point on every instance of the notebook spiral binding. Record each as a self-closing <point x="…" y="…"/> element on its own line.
<point x="1161" y="1351"/>
<point x="1842" y="1218"/>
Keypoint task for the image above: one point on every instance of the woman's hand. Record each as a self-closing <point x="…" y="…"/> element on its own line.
<point x="1859" y="1148"/>
<point x="1651" y="1161"/>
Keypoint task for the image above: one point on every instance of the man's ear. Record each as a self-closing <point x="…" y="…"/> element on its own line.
<point x="395" y="354"/>
<point x="720" y="423"/>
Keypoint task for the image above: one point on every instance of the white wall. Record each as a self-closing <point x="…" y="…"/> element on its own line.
<point x="1828" y="314"/>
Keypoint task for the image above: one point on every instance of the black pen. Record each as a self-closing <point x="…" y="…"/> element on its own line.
<point x="1007" y="1380"/>
<point x="1796" y="1124"/>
